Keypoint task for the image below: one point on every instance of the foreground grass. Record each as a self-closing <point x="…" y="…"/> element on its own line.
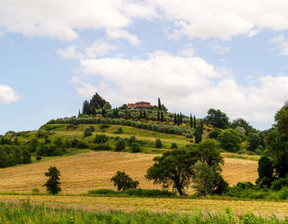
<point x="159" y="205"/>
<point x="25" y="212"/>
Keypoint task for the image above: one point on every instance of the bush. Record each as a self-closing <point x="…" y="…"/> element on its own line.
<point x="279" y="184"/>
<point x="214" y="133"/>
<point x="74" y="142"/>
<point x="120" y="145"/>
<point x="101" y="138"/>
<point x="174" y="145"/>
<point x="158" y="143"/>
<point x="132" y="140"/>
<point x="87" y="132"/>
<point x="82" y="145"/>
<point x="104" y="126"/>
<point x="119" y="131"/>
<point x="100" y="147"/>
<point x="149" y="193"/>
<point x="135" y="147"/>
<point x="123" y="181"/>
<point x="103" y="192"/>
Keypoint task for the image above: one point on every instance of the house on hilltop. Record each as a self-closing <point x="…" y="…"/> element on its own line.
<point x="139" y="105"/>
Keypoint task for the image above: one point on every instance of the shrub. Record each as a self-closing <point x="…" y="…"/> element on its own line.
<point x="119" y="131"/>
<point x="132" y="140"/>
<point x="38" y="157"/>
<point x="104" y="126"/>
<point x="123" y="181"/>
<point x="87" y="132"/>
<point x="74" y="142"/>
<point x="135" y="147"/>
<point x="158" y="143"/>
<point x="149" y="193"/>
<point x="103" y="192"/>
<point x="279" y="184"/>
<point x="214" y="133"/>
<point x="120" y="145"/>
<point x="100" y="147"/>
<point x="101" y="138"/>
<point x="174" y="145"/>
<point x="82" y="145"/>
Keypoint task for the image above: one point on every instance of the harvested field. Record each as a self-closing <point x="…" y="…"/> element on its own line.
<point x="93" y="170"/>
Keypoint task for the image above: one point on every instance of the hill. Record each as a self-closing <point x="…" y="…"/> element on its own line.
<point x="93" y="170"/>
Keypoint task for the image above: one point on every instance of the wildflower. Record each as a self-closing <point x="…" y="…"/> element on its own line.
<point x="27" y="219"/>
<point x="52" y="220"/>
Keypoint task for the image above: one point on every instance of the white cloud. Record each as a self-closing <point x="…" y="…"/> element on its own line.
<point x="98" y="48"/>
<point x="223" y="18"/>
<point x="7" y="95"/>
<point x="189" y="51"/>
<point x="283" y="44"/>
<point x="123" y="34"/>
<point x="218" y="48"/>
<point x="62" y="19"/>
<point x="187" y="84"/>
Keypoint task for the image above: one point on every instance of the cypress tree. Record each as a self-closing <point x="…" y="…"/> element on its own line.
<point x="175" y="119"/>
<point x="159" y="104"/>
<point x="129" y="114"/>
<point x="144" y="114"/>
<point x="198" y="135"/>
<point x="158" y="115"/>
<point x="178" y="119"/>
<point x="191" y="121"/>
<point x="93" y="110"/>
<point x="79" y="113"/>
<point x="162" y="116"/>
<point x="116" y="113"/>
<point x="195" y="122"/>
<point x="86" y="108"/>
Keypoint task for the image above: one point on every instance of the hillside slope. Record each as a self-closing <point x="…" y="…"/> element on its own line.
<point x="93" y="170"/>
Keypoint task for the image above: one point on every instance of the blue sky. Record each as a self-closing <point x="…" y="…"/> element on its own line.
<point x="194" y="55"/>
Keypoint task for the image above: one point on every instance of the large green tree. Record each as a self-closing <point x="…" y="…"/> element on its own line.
<point x="173" y="168"/>
<point x="277" y="142"/>
<point x="229" y="140"/>
<point x="217" y="118"/>
<point x="176" y="167"/>
<point x="97" y="101"/>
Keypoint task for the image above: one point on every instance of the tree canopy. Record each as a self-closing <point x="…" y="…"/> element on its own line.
<point x="176" y="167"/>
<point x="217" y="118"/>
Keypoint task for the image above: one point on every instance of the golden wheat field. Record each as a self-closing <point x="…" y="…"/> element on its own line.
<point x="93" y="170"/>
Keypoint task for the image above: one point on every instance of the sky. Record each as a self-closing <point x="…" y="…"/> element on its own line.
<point x="193" y="54"/>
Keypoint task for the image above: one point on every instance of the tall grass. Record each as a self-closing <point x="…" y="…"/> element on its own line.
<point x="27" y="213"/>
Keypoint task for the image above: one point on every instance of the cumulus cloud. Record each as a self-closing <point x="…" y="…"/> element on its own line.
<point x="187" y="84"/>
<point x="195" y="18"/>
<point x="7" y="95"/>
<point x="223" y="19"/>
<point x="62" y="19"/>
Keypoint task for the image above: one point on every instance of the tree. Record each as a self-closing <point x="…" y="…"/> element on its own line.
<point x="173" y="168"/>
<point x="120" y="145"/>
<point x="158" y="143"/>
<point x="265" y="171"/>
<point x="276" y="142"/>
<point x="53" y="183"/>
<point x="191" y="121"/>
<point x="159" y="104"/>
<point x="123" y="181"/>
<point x="244" y="124"/>
<point x="216" y="118"/>
<point x="108" y="106"/>
<point x="87" y="132"/>
<point x="230" y="140"/>
<point x="86" y="108"/>
<point x="97" y="100"/>
<point x="26" y="156"/>
<point x="198" y="135"/>
<point x="214" y="133"/>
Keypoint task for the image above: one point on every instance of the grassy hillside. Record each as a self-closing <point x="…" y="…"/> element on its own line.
<point x="93" y="170"/>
